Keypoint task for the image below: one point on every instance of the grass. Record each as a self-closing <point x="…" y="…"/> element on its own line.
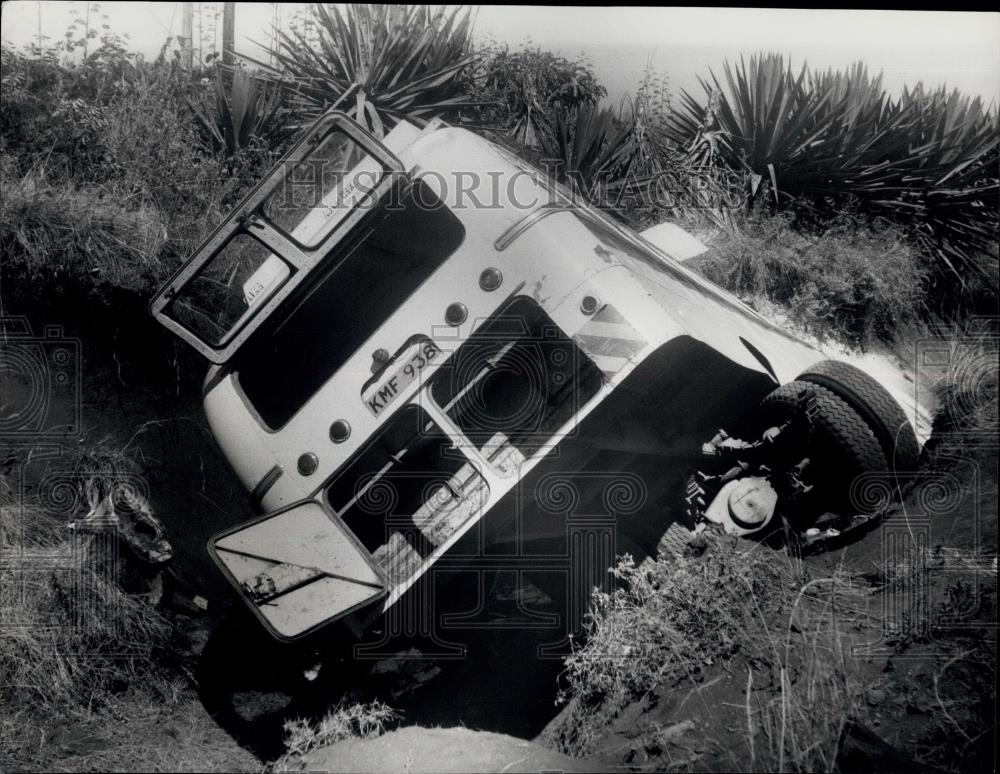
<point x="346" y="721"/>
<point x="70" y="635"/>
<point x="58" y="234"/>
<point x="799" y="726"/>
<point x="110" y="194"/>
<point x="782" y="634"/>
<point x="142" y="730"/>
<point x="106" y="193"/>
<point x="676" y="621"/>
<point x="968" y="392"/>
<point x="860" y="282"/>
<point x="87" y="679"/>
<point x="71" y="639"/>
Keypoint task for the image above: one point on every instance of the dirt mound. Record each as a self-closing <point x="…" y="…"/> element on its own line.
<point x="415" y="749"/>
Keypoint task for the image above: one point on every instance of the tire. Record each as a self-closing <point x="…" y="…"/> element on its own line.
<point x="843" y="446"/>
<point x="873" y="403"/>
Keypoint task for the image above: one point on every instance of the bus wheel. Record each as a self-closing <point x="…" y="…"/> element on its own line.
<point x="873" y="403"/>
<point x="842" y="445"/>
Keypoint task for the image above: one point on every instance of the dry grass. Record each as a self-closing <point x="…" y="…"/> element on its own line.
<point x="86" y="679"/>
<point x="798" y="727"/>
<point x="62" y="234"/>
<point x="69" y="634"/>
<point x="968" y="393"/>
<point x="363" y="721"/>
<point x="736" y="609"/>
<point x="855" y="281"/>
<point x="161" y="728"/>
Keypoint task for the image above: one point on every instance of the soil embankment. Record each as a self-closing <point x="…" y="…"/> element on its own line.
<point x="414" y="749"/>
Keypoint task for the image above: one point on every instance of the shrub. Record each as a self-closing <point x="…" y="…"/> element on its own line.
<point x="241" y="115"/>
<point x="621" y="162"/>
<point x="152" y="150"/>
<point x="520" y="90"/>
<point x="129" y="211"/>
<point x="42" y="118"/>
<point x="588" y="148"/>
<point x="54" y="238"/>
<point x="927" y="160"/>
<point x="854" y="280"/>
<point x="345" y="721"/>
<point x="132" y="134"/>
<point x="677" y="619"/>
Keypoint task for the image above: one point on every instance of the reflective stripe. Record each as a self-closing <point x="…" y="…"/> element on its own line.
<point x="609" y="340"/>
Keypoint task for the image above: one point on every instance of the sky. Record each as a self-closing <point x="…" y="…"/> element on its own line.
<point x="959" y="49"/>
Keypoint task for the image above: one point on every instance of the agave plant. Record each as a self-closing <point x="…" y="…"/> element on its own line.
<point x="583" y="145"/>
<point x="625" y="163"/>
<point x="618" y="161"/>
<point x="768" y="128"/>
<point x="928" y="160"/>
<point x="244" y="110"/>
<point x="378" y="63"/>
<point x="949" y="181"/>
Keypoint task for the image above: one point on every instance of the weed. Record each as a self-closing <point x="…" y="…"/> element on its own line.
<point x="57" y="236"/>
<point x="858" y="281"/>
<point x="968" y="391"/>
<point x="677" y="620"/>
<point x="70" y="635"/>
<point x="364" y="721"/>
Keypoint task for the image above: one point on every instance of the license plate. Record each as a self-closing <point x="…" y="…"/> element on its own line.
<point x="414" y="360"/>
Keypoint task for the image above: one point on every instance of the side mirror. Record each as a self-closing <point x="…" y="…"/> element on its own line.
<point x="298" y="568"/>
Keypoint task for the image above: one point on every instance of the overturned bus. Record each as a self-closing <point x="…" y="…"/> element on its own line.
<point x="409" y="337"/>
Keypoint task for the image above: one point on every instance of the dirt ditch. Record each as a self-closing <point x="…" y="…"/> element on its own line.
<point x="929" y="613"/>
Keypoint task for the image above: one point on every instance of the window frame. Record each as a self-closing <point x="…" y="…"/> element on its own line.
<point x="249" y="219"/>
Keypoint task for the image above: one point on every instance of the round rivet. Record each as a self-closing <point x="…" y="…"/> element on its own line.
<point x="456" y="314"/>
<point x="340" y="431"/>
<point x="588" y="305"/>
<point x="308" y="463"/>
<point x="490" y="279"/>
<point x="380" y="355"/>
